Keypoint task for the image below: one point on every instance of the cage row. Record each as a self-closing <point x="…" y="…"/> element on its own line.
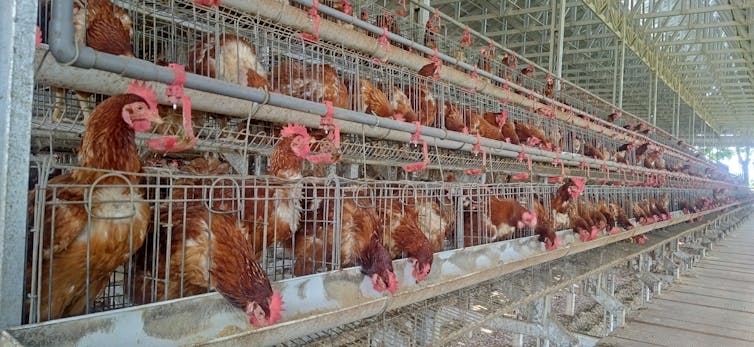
<point x="219" y="44"/>
<point x="124" y="239"/>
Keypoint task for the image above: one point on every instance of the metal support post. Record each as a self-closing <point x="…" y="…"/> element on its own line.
<point x="571" y="301"/>
<point x="654" y="103"/>
<point x="612" y="305"/>
<point x="622" y="72"/>
<point x="238" y="162"/>
<point x="677" y="123"/>
<point x="17" y="29"/>
<point x="650" y="97"/>
<point x="561" y="29"/>
<point x="259" y="165"/>
<point x="353" y="171"/>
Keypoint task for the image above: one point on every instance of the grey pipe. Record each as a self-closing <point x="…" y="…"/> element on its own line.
<point x="275" y="10"/>
<point x="65" y="50"/>
<point x="520" y="57"/>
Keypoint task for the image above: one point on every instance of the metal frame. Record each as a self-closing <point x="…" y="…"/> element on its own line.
<point x="699" y="51"/>
<point x="16" y="85"/>
<point x="456" y="275"/>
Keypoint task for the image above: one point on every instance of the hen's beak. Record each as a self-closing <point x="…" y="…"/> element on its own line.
<point x="155" y="118"/>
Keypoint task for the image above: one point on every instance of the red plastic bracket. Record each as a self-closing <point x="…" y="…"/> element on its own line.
<point x="314" y="16"/>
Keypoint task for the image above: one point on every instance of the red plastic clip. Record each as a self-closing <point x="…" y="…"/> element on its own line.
<point x="209" y="3"/>
<point x="327" y="122"/>
<point x="314" y="16"/>
<point x="186" y="140"/>
<point x="478" y="171"/>
<point x="478" y="145"/>
<point x="416" y="138"/>
<point x="422" y="165"/>
<point x="466" y="40"/>
<point x="38" y="37"/>
<point x="523" y="156"/>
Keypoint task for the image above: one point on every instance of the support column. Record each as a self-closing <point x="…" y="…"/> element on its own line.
<point x="677" y="116"/>
<point x="571" y="301"/>
<point x="423" y="15"/>
<point x="553" y="34"/>
<point x="561" y="28"/>
<point x="650" y="97"/>
<point x="616" y="62"/>
<point x="654" y="103"/>
<point x="622" y="71"/>
<point x="17" y="29"/>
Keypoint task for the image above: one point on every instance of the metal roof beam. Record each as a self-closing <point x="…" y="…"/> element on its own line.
<point x="611" y="13"/>
<point x="510" y="12"/>
<point x="684" y="11"/>
<point x="695" y="26"/>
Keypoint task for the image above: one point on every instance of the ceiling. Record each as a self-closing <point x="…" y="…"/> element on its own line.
<point x="698" y="53"/>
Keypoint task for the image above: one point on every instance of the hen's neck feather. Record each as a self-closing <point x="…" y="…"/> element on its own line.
<point x="108" y="142"/>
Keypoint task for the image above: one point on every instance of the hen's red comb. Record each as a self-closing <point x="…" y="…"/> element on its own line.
<point x="293" y="130"/>
<point x="146" y="92"/>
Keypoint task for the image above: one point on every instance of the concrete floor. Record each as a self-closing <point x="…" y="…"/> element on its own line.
<point x="711" y="305"/>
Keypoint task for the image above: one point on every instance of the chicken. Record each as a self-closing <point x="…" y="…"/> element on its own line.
<point x="597" y="217"/>
<point x="429" y="35"/>
<point x="402" y="105"/>
<point x="549" y="87"/>
<point x="222" y="195"/>
<point x="238" y="61"/>
<point x="581" y="223"/>
<point x="430" y="70"/>
<point x="373" y="100"/>
<point x="510" y="62"/>
<point x="609" y="216"/>
<point x="484" y="60"/>
<point x="596" y="152"/>
<point x="507" y="128"/>
<point x="453" y="117"/>
<point x="311" y="82"/>
<point x="613" y="116"/>
<point x="437" y="218"/>
<point x="641" y="213"/>
<point x="527" y="72"/>
<point x="360" y="242"/>
<point x="208" y="251"/>
<point x="621" y="218"/>
<point x="494" y="221"/>
<point x="104" y="27"/>
<point x="273" y="208"/>
<point x="77" y="243"/>
<point x="340" y="5"/>
<point x="663" y="203"/>
<point x="423" y="103"/>
<point x="532" y="136"/>
<point x="480" y="126"/>
<point x="545" y="226"/>
<point x="642" y="149"/>
<point x="404" y="236"/>
<point x="571" y="189"/>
